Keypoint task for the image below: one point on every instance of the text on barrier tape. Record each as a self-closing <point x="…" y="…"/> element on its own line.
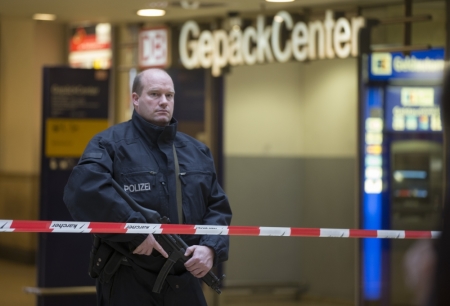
<point x="181" y="229"/>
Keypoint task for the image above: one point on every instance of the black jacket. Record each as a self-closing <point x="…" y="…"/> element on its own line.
<point x="139" y="156"/>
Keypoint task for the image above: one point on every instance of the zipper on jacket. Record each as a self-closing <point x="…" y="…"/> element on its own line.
<point x="181" y="175"/>
<point x="152" y="172"/>
<point x="165" y="188"/>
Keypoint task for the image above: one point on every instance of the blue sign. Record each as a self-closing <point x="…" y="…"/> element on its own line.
<point x="372" y="205"/>
<point x="425" y="65"/>
<point x="387" y="108"/>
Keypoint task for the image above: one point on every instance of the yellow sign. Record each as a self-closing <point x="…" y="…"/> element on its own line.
<point x="69" y="137"/>
<point x="375" y="149"/>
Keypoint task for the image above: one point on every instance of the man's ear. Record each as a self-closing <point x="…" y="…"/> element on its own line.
<point x="135" y="98"/>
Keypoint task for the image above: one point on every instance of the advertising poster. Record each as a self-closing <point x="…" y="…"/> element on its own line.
<point x="90" y="46"/>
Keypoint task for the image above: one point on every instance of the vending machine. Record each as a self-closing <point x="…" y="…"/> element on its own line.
<point x="400" y="162"/>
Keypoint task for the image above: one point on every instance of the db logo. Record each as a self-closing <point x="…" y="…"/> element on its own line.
<point x="153" y="48"/>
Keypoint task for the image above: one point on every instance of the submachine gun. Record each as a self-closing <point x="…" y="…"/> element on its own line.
<point x="177" y="247"/>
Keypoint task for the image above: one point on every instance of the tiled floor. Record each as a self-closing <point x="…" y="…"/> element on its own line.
<point x="14" y="277"/>
<point x="275" y="302"/>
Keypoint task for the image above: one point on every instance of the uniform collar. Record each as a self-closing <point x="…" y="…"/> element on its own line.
<point x="155" y="134"/>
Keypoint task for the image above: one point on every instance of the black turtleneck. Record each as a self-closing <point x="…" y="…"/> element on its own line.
<point x="152" y="133"/>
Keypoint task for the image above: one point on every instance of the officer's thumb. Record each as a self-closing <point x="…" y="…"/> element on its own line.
<point x="189" y="251"/>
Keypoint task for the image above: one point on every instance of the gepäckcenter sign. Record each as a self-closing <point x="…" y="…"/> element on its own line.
<point x="329" y="38"/>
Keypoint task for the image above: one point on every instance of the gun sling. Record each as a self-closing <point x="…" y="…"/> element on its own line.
<point x="174" y="256"/>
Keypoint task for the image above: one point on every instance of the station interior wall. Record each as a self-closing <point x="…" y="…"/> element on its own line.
<point x="290" y="161"/>
<point x="25" y="47"/>
<point x="290" y="149"/>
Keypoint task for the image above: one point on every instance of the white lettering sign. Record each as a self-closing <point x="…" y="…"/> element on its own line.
<point x="413" y="64"/>
<point x="316" y="39"/>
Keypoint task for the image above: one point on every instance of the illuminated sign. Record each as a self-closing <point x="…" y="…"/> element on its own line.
<point x="90" y="46"/>
<point x="419" y="64"/>
<point x="413" y="109"/>
<point x="307" y="41"/>
<point x="76" y="108"/>
<point x="153" y="48"/>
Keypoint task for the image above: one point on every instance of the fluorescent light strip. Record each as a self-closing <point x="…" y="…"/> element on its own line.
<point x="47" y="17"/>
<point x="151" y="12"/>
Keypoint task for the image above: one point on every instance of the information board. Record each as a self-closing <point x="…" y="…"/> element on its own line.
<point x="75" y="108"/>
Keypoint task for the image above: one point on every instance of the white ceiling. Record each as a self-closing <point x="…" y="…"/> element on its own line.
<point x="117" y="11"/>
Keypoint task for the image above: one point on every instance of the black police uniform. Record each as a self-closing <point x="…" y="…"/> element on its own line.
<point x="139" y="156"/>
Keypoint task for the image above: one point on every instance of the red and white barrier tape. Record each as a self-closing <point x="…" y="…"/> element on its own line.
<point x="144" y="228"/>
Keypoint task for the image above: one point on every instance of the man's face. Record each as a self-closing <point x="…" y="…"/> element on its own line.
<point x="156" y="101"/>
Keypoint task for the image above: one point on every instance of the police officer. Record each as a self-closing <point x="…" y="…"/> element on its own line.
<point x="141" y="156"/>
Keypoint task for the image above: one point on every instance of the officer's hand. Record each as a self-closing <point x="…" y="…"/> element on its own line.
<point x="201" y="261"/>
<point x="147" y="246"/>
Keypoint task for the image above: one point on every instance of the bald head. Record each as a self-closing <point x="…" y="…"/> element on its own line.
<point x="137" y="82"/>
<point x="153" y="96"/>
